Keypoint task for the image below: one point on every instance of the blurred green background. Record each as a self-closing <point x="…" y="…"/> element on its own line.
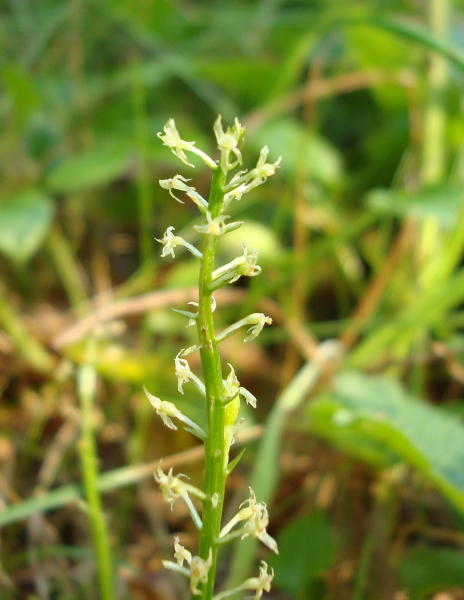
<point x="361" y="239"/>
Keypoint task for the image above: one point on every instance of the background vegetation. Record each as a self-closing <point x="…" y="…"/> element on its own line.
<point x="361" y="239"/>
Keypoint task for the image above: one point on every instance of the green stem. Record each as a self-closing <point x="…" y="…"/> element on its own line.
<point x="143" y="181"/>
<point x="89" y="460"/>
<point x="215" y="450"/>
<point x="11" y="322"/>
<point x="434" y="147"/>
<point x="68" y="270"/>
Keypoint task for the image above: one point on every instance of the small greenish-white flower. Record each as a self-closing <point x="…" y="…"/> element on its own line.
<point x="178" y="182"/>
<point x="231" y="387"/>
<point x="257" y="519"/>
<point x="198" y="568"/>
<point x="228" y="143"/>
<point x="172" y="139"/>
<point x="217" y="226"/>
<point x="258" y="320"/>
<point x="180" y="553"/>
<point x="184" y="374"/>
<point x="260" y="584"/>
<point x="173" y="487"/>
<point x="236" y="194"/>
<point x="168" y="411"/>
<point x="242" y="265"/>
<point x="263" y="169"/>
<point x="170" y="241"/>
<point x="245" y="181"/>
<point x="199" y="572"/>
<point x="164" y="409"/>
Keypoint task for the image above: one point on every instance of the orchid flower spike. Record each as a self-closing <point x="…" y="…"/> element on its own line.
<point x="169" y="241"/>
<point x="172" y="139"/>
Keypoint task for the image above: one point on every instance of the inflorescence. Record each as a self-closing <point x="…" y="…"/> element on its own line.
<point x="252" y="517"/>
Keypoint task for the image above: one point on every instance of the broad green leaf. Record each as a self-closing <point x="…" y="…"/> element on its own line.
<point x="95" y="168"/>
<point x="24" y="222"/>
<point x="443" y="203"/>
<point x="384" y="418"/>
<point x="306" y="549"/>
<point x="299" y="147"/>
<point x="427" y="570"/>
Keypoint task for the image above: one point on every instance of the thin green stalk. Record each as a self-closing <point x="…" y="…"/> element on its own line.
<point x="67" y="269"/>
<point x="146" y="220"/>
<point x="215" y="468"/>
<point x="433" y="146"/>
<point x="143" y="182"/>
<point x="28" y="346"/>
<point x="87" y="380"/>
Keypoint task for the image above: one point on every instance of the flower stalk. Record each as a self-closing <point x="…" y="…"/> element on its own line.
<point x="222" y="395"/>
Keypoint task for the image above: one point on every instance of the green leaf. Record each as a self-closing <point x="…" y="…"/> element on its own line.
<point x="443" y="203"/>
<point x="95" y="168"/>
<point x="427" y="570"/>
<point x="24" y="221"/>
<point x="306" y="548"/>
<point x="421" y="35"/>
<point x="378" y="412"/>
